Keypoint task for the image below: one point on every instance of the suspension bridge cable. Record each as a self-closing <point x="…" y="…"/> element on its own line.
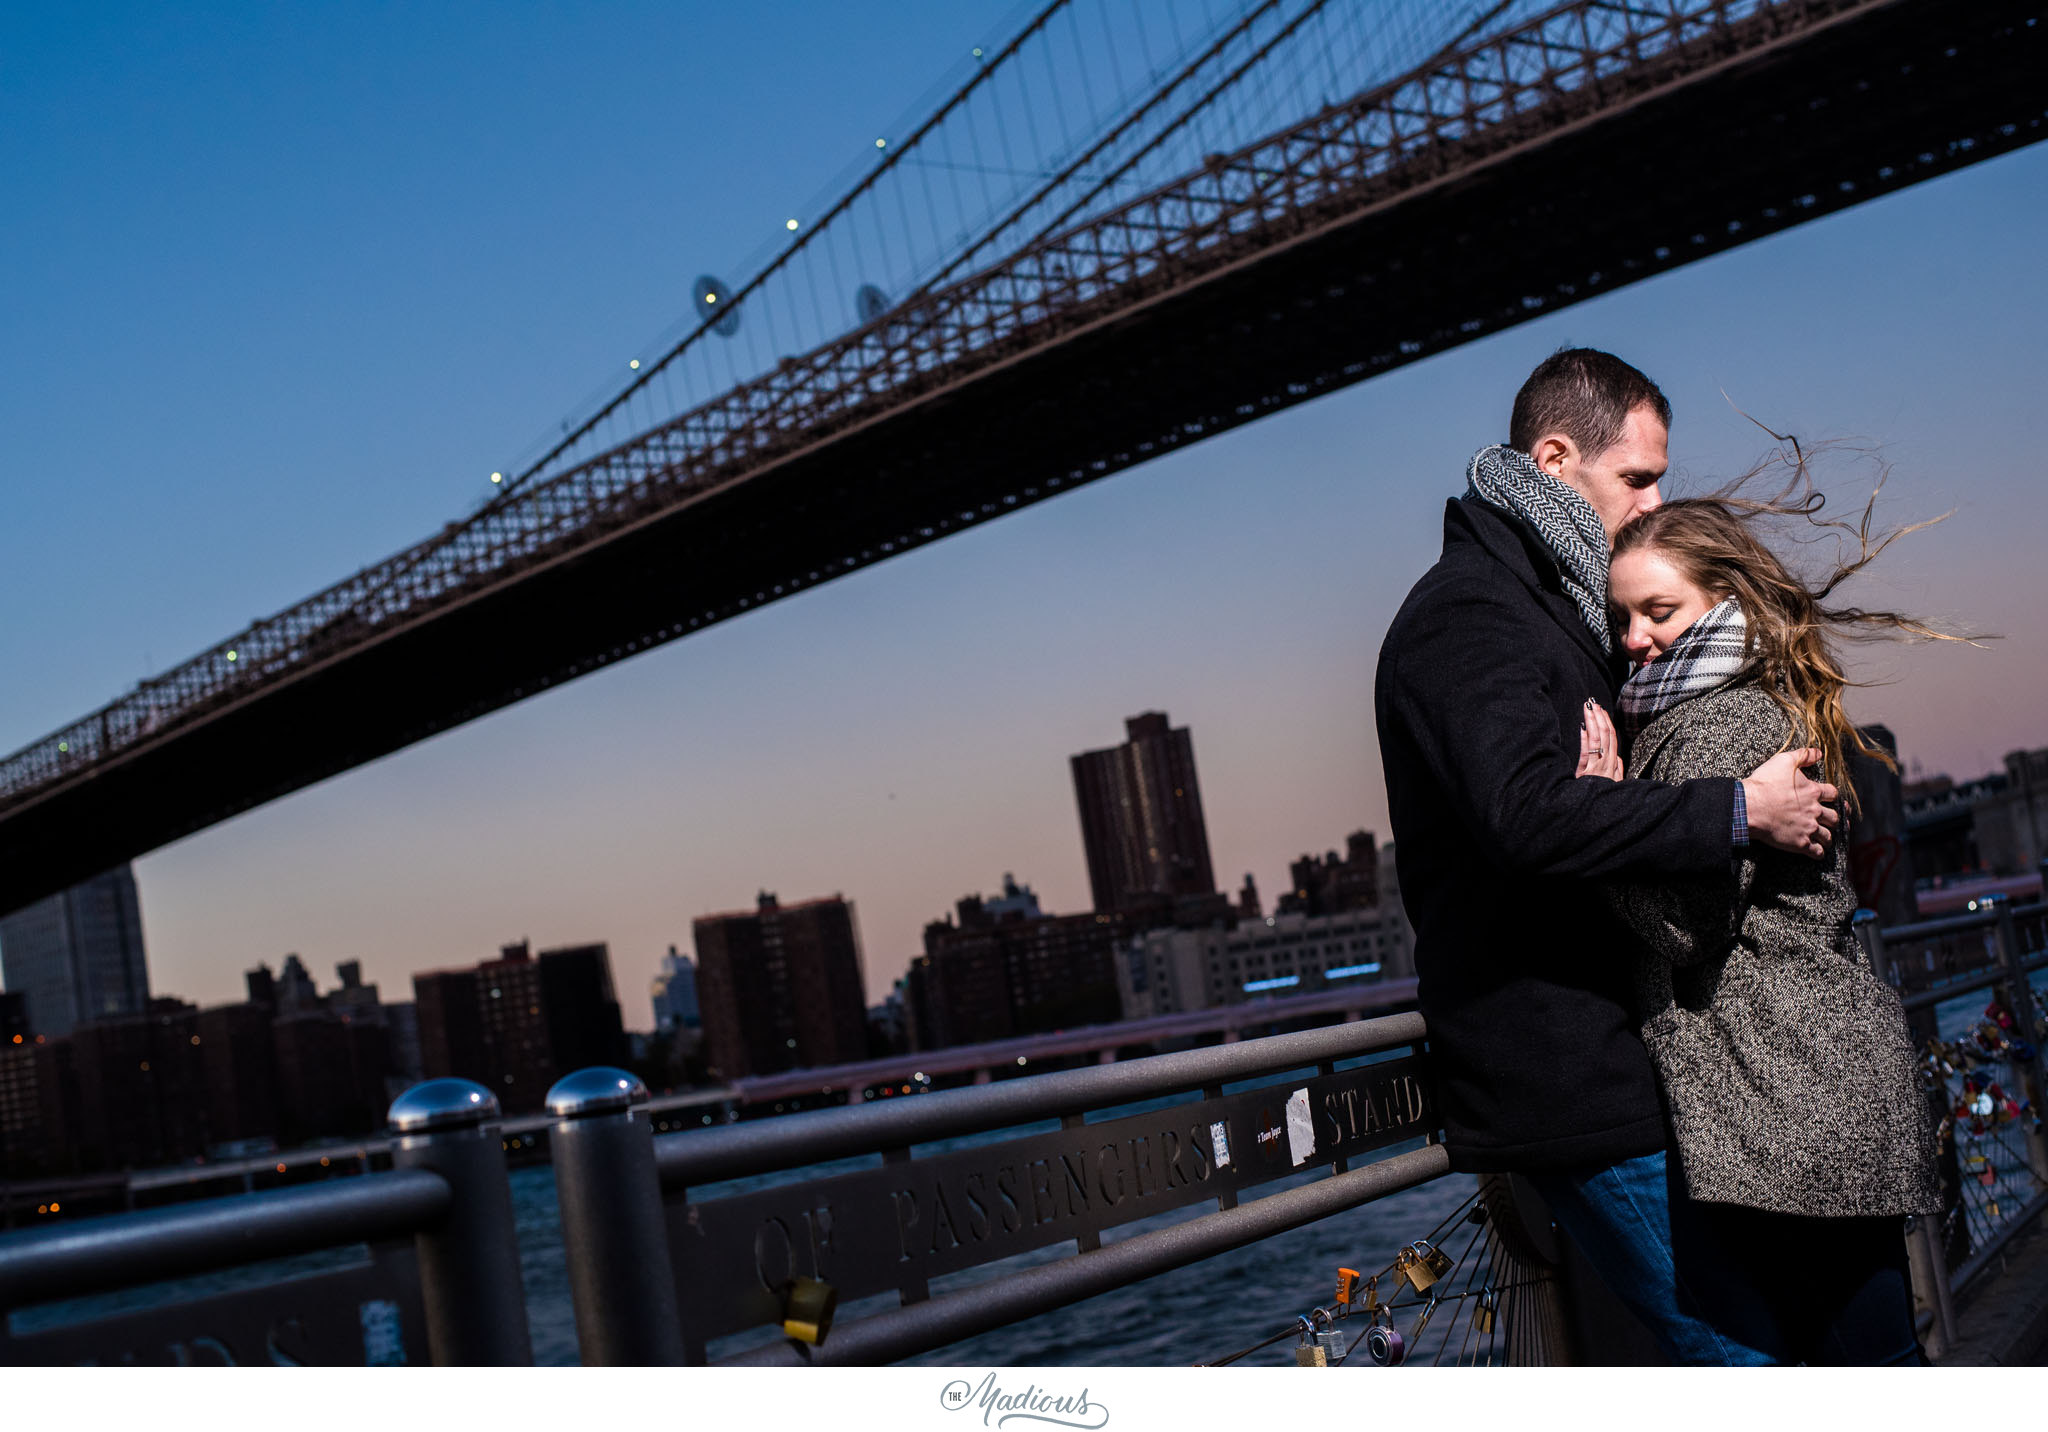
<point x="889" y="161"/>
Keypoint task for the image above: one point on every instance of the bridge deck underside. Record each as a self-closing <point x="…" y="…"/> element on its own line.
<point x="1853" y="111"/>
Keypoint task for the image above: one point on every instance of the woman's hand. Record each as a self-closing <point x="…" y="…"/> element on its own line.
<point x="1599" y="746"/>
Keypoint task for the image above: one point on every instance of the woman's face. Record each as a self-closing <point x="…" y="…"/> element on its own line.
<point x="1657" y="603"/>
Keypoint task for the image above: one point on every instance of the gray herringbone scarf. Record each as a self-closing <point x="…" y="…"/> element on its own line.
<point x="1566" y="522"/>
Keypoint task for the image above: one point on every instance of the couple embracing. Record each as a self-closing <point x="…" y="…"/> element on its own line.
<point x="1597" y="714"/>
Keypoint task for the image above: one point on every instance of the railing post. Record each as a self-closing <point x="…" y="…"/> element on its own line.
<point x="613" y="1230"/>
<point x="469" y="1263"/>
<point x="1925" y="1261"/>
<point x="1928" y="1266"/>
<point x="2019" y="999"/>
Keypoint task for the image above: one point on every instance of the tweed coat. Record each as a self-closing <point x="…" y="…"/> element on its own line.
<point x="1792" y="1083"/>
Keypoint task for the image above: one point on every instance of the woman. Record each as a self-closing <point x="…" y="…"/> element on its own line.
<point x="1792" y="1084"/>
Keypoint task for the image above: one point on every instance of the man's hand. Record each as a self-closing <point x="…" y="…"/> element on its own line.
<point x="1787" y="808"/>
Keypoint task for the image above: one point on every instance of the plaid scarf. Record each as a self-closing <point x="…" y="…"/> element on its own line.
<point x="1708" y="655"/>
<point x="1561" y="517"/>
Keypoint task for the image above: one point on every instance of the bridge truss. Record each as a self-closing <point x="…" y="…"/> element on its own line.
<point x="1521" y="170"/>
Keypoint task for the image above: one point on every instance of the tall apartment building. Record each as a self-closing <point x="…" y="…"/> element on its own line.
<point x="238" y="1062"/>
<point x="38" y="1107"/>
<point x="779" y="987"/>
<point x="77" y="955"/>
<point x="1007" y="969"/>
<point x="141" y="1088"/>
<point x="521" y="1021"/>
<point x="290" y="1064"/>
<point x="1334" y="883"/>
<point x="1141" y="819"/>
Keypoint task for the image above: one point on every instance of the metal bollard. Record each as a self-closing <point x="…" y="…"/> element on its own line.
<point x="613" y="1228"/>
<point x="2019" y="998"/>
<point x="469" y="1266"/>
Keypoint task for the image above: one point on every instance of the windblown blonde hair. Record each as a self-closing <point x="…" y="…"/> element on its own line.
<point x="1791" y="630"/>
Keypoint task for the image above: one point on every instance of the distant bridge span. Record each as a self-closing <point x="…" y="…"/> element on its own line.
<point x="1590" y="147"/>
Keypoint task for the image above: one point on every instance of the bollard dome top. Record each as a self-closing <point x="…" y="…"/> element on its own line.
<point x="597" y="1090"/>
<point x="442" y="1104"/>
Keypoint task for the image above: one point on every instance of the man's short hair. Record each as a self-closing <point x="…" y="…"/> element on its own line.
<point x="1585" y="394"/>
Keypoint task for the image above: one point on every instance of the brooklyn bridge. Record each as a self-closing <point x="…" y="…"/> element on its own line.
<point x="1098" y="248"/>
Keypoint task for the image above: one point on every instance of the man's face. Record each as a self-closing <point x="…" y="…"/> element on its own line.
<point x="1621" y="483"/>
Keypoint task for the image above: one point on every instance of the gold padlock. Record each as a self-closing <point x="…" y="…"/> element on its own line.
<point x="1421" y="1265"/>
<point x="1484" y="1312"/>
<point x="1408" y="1269"/>
<point x="1311" y="1355"/>
<point x="1372" y="1297"/>
<point x="807" y="1309"/>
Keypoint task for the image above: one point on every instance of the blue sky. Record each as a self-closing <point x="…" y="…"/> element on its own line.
<point x="285" y="283"/>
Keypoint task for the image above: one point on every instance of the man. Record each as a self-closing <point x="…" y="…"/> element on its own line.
<point x="1525" y="976"/>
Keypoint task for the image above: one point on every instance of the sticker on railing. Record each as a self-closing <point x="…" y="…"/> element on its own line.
<point x="1301" y="1128"/>
<point x="383" y="1335"/>
<point x="1219" y="1141"/>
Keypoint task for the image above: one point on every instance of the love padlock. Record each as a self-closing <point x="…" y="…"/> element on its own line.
<point x="1385" y="1345"/>
<point x="1421" y="1265"/>
<point x="807" y="1309"/>
<point x="1347" y="1284"/>
<point x="1485" y="1311"/>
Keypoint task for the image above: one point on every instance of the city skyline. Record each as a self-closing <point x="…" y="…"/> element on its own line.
<point x="284" y="387"/>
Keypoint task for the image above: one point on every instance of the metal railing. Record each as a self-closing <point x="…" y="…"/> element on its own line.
<point x="661" y="1263"/>
<point x="910" y="1218"/>
<point x="1984" y="1081"/>
<point x="441" y="1280"/>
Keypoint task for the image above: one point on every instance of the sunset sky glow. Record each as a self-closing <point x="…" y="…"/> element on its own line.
<point x="286" y="285"/>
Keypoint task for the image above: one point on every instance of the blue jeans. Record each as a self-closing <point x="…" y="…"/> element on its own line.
<point x="1724" y="1286"/>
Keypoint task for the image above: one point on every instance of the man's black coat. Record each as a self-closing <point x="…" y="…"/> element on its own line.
<point x="1525" y="975"/>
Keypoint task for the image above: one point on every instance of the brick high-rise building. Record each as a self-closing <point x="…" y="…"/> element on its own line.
<point x="141" y="1087"/>
<point x="330" y="1074"/>
<point x="520" y="1022"/>
<point x="580" y="1008"/>
<point x="515" y="1029"/>
<point x="238" y="1061"/>
<point x="450" y="1024"/>
<point x="1141" y="819"/>
<point x="38" y="1107"/>
<point x="1334" y="884"/>
<point x="77" y="955"/>
<point x="1006" y="969"/>
<point x="779" y="987"/>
